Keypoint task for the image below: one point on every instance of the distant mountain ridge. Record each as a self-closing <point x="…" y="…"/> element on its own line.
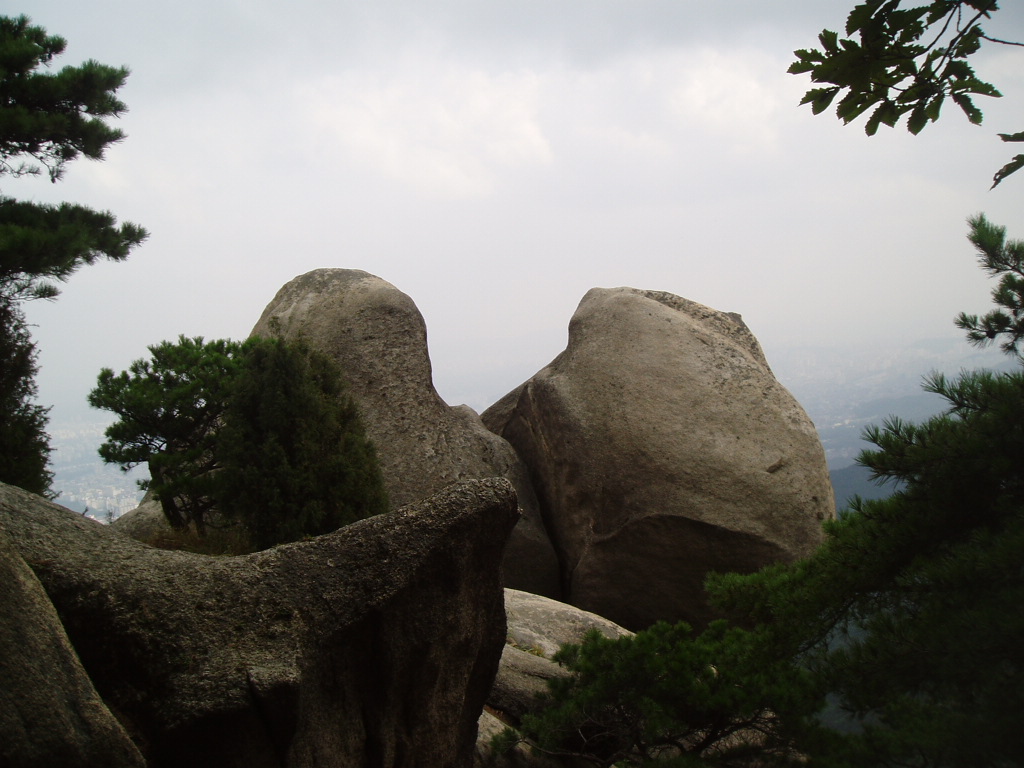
<point x="855" y="480"/>
<point x="844" y="391"/>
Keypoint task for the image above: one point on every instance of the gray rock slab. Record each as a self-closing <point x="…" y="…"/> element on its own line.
<point x="373" y="645"/>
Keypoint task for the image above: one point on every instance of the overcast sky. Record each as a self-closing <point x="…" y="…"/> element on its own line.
<point x="495" y="159"/>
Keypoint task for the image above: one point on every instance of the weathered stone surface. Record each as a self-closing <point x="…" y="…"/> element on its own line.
<point x="50" y="714"/>
<point x="542" y="626"/>
<point x="522" y="677"/>
<point x="377" y="335"/>
<point x="374" y="645"/>
<point x="661" y="448"/>
<point x="537" y="628"/>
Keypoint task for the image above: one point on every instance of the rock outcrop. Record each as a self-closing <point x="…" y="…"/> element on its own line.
<point x="542" y="626"/>
<point x="373" y="645"/>
<point x="378" y="337"/>
<point x="50" y="713"/>
<point x="661" y="447"/>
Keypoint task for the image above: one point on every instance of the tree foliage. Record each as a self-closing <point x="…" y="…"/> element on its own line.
<point x="40" y="244"/>
<point x="47" y="119"/>
<point x="52" y="119"/>
<point x="1004" y="259"/>
<point x="258" y="432"/>
<point x="169" y="409"/>
<point x="909" y="614"/>
<point x="299" y="462"/>
<point x="23" y="444"/>
<point x="897" y="62"/>
<point x="670" y="696"/>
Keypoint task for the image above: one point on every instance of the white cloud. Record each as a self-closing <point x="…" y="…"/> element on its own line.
<point x="669" y="106"/>
<point x="445" y="130"/>
<point x="739" y="98"/>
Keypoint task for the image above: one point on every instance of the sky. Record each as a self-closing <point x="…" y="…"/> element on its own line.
<point x="496" y="159"/>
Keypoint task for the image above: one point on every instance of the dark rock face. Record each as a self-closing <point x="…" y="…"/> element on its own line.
<point x="50" y="714"/>
<point x="378" y="337"/>
<point x="522" y="677"/>
<point x="662" y="447"/>
<point x="375" y="645"/>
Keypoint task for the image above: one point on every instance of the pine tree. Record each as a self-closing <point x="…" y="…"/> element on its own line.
<point x="23" y="444"/>
<point x="910" y="613"/>
<point x="296" y="459"/>
<point x="47" y="119"/>
<point x="169" y="409"/>
<point x="670" y="696"/>
<point x="260" y="433"/>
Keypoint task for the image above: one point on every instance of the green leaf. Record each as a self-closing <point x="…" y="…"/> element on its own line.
<point x="853" y="105"/>
<point x="964" y="102"/>
<point x="918" y="119"/>
<point x="981" y="88"/>
<point x="970" y="43"/>
<point x="957" y="70"/>
<point x="887" y="114"/>
<point x="1011" y="167"/>
<point x="1012" y="136"/>
<point x="820" y="98"/>
<point x="861" y="15"/>
<point x="829" y="40"/>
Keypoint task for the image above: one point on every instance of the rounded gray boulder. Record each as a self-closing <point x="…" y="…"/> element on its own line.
<point x="378" y="337"/>
<point x="662" y="448"/>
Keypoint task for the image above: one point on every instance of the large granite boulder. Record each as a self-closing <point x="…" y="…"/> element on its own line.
<point x="50" y="714"/>
<point x="378" y="337"/>
<point x="374" y="645"/>
<point x="662" y="447"/>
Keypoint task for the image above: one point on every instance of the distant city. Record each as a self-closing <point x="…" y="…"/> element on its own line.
<point x="84" y="483"/>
